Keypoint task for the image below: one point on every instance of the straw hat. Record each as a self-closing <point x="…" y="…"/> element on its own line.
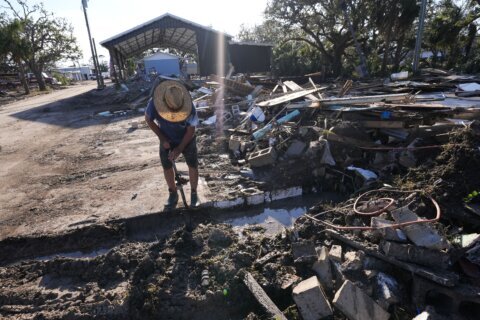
<point x="172" y="101"/>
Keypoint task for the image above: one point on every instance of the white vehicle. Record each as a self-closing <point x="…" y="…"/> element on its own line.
<point x="106" y="75"/>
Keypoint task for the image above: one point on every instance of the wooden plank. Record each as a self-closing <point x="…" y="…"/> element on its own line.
<point x="262" y="297"/>
<point x="382" y="124"/>
<point x="287" y="97"/>
<point x="315" y="86"/>
<point x="359" y="100"/>
<point x="295" y="87"/>
<point x="444" y="278"/>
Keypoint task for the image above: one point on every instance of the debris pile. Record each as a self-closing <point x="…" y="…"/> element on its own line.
<point x="403" y="245"/>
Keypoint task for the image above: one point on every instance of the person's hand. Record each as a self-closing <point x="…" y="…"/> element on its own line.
<point x="174" y="153"/>
<point x="166" y="145"/>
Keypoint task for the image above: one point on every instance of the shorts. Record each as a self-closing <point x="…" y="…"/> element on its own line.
<point x="190" y="154"/>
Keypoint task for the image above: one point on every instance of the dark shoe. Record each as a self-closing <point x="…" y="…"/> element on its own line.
<point x="172" y="200"/>
<point x="194" y="200"/>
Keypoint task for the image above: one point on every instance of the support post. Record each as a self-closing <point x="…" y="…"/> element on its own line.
<point x="418" y="42"/>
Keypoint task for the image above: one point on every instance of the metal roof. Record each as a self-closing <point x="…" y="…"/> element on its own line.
<point x="166" y="30"/>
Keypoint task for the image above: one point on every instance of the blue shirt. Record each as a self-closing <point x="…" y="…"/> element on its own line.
<point x="174" y="131"/>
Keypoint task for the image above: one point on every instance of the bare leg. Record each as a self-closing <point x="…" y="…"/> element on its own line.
<point x="193" y="175"/>
<point x="170" y="178"/>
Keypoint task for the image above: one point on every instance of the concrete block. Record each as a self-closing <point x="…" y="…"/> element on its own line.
<point x="234" y="143"/>
<point x="286" y="193"/>
<point x="451" y="302"/>
<point x="323" y="269"/>
<point x="422" y="234"/>
<point x="311" y="300"/>
<point x="335" y="253"/>
<point x="231" y="203"/>
<point x="262" y="157"/>
<point x="357" y="305"/>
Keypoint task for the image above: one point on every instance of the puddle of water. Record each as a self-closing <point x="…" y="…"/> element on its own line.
<point x="276" y="216"/>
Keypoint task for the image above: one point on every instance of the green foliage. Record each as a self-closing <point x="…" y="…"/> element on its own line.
<point x="313" y="35"/>
<point x="474" y="195"/>
<point x="103" y="67"/>
<point x="45" y="39"/>
<point x="64" y="81"/>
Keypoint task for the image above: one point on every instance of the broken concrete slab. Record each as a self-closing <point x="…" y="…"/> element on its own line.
<point x="323" y="269"/>
<point x="335" y="253"/>
<point x="311" y="300"/>
<point x="422" y="234"/>
<point x="357" y="305"/>
<point x="387" y="233"/>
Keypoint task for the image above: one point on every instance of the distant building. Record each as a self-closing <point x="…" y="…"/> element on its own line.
<point x="162" y="63"/>
<point x="76" y="73"/>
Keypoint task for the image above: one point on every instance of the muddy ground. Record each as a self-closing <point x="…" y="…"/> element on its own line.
<point x="81" y="236"/>
<point x="64" y="166"/>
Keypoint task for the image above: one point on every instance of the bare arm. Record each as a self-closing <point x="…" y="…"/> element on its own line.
<point x="156" y="130"/>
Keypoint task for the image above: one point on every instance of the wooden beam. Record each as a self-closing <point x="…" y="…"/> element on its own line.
<point x="295" y="87"/>
<point x="288" y="97"/>
<point x="359" y="100"/>
<point x="259" y="294"/>
<point x="381" y="124"/>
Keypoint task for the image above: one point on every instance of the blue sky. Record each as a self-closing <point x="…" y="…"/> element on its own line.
<point x="110" y="17"/>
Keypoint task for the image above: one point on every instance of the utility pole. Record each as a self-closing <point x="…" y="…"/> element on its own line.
<point x="99" y="82"/>
<point x="102" y="84"/>
<point x="418" y="42"/>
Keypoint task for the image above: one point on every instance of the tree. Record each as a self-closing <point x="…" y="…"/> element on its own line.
<point x="393" y="19"/>
<point x="452" y="30"/>
<point x="14" y="48"/>
<point x="49" y="39"/>
<point x="289" y="57"/>
<point x="321" y="24"/>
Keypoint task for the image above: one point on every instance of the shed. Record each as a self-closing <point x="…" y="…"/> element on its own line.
<point x="162" y="63"/>
<point x="210" y="47"/>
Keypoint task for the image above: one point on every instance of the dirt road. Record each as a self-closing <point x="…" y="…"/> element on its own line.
<point x="64" y="166"/>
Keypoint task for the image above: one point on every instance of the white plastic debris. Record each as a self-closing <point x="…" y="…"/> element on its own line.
<point x="471" y="86"/>
<point x="366" y="174"/>
<point x="210" y="121"/>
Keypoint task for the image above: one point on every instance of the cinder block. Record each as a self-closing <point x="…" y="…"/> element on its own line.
<point x="311" y="300"/>
<point x="262" y="157"/>
<point x="323" y="269"/>
<point x="357" y="305"/>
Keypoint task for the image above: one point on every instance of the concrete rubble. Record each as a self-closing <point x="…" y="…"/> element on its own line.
<point x="398" y="243"/>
